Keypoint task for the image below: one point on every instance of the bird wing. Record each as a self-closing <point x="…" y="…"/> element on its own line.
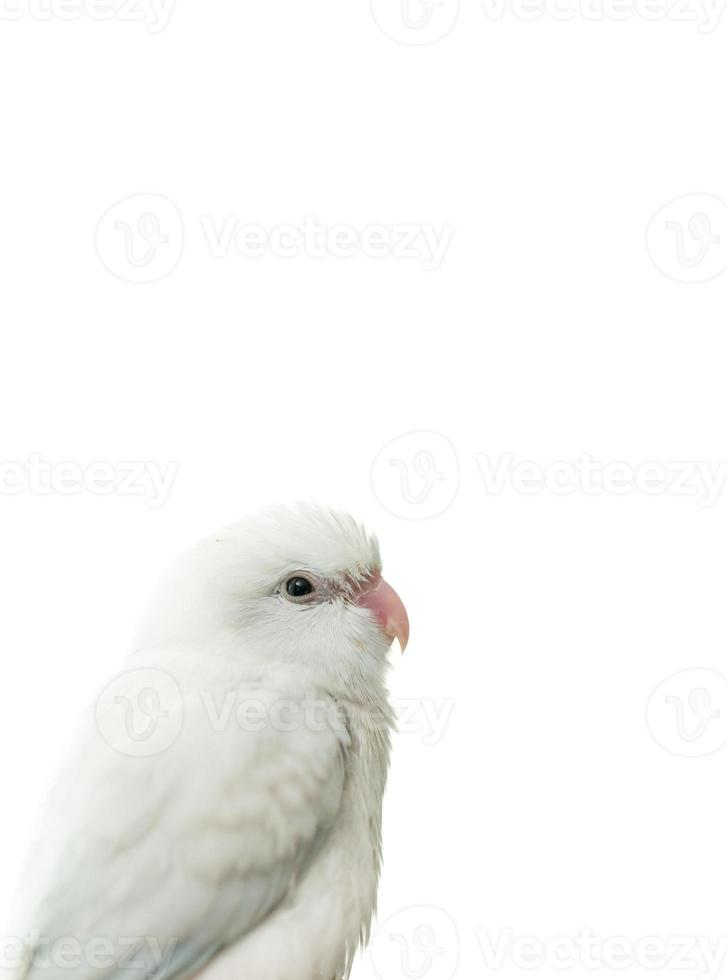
<point x="172" y="857"/>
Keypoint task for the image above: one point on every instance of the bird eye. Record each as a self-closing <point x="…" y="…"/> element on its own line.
<point x="298" y="588"/>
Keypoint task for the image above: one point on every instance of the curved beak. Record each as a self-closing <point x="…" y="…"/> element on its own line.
<point x="388" y="609"/>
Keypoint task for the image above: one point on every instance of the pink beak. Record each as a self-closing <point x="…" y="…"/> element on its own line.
<point x="388" y="609"/>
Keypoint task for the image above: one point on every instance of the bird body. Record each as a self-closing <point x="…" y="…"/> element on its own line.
<point x="234" y="830"/>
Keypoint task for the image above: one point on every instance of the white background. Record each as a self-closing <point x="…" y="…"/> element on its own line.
<point x="567" y="317"/>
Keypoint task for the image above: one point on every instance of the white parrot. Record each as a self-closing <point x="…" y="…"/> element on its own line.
<point x="235" y="834"/>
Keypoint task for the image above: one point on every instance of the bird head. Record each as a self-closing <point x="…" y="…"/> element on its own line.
<point x="295" y="587"/>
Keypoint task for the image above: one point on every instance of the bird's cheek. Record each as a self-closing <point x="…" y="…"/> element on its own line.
<point x="387" y="608"/>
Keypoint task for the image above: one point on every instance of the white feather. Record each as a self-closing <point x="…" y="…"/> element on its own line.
<point x="246" y="849"/>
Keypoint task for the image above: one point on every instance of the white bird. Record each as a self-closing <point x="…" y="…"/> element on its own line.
<point x="220" y="816"/>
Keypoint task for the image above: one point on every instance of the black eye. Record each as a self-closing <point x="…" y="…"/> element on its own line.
<point x="298" y="587"/>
